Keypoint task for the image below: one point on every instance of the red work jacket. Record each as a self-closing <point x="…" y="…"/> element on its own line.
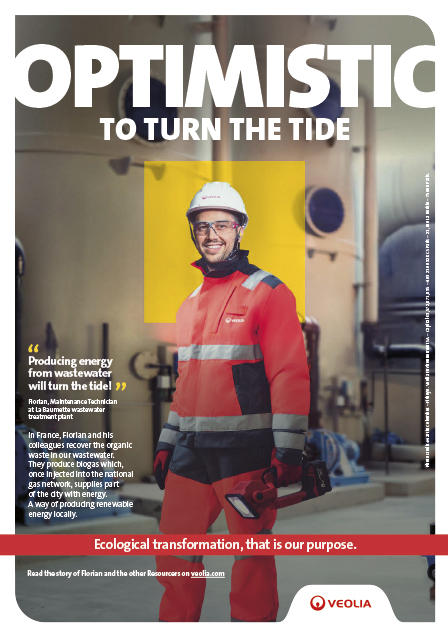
<point x="243" y="373"/>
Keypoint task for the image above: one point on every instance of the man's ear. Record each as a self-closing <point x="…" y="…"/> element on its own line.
<point x="193" y="238"/>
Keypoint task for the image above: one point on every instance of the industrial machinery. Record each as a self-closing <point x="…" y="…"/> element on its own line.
<point x="340" y="455"/>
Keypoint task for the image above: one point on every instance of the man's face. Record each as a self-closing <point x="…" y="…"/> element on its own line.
<point x="216" y="246"/>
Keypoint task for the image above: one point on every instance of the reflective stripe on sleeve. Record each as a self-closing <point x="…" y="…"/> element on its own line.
<point x="220" y="351"/>
<point x="290" y="422"/>
<point x="223" y="424"/>
<point x="289" y="440"/>
<point x="168" y="435"/>
<point x="252" y="281"/>
<point x="173" y="418"/>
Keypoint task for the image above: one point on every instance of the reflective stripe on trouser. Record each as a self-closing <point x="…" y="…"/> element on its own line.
<point x="190" y="507"/>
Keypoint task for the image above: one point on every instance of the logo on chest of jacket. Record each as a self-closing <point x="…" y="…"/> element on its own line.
<point x="231" y="320"/>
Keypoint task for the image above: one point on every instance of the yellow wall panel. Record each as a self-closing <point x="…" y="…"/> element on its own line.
<point x="274" y="195"/>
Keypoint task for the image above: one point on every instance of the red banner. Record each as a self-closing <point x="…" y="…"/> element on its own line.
<point x="241" y="544"/>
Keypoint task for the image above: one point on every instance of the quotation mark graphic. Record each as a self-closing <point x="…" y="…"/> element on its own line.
<point x="317" y="602"/>
<point x="122" y="384"/>
<point x="33" y="348"/>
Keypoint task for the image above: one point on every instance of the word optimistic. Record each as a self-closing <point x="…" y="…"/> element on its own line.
<point x="242" y="66"/>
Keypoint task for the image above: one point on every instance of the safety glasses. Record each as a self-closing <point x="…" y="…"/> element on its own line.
<point x="201" y="228"/>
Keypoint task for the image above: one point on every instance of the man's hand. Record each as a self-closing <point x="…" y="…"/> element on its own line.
<point x="161" y="465"/>
<point x="286" y="473"/>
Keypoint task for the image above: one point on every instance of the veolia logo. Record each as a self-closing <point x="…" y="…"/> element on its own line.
<point x="349" y="604"/>
<point x="317" y="603"/>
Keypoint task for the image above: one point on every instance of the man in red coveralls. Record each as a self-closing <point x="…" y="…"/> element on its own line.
<point x="241" y="405"/>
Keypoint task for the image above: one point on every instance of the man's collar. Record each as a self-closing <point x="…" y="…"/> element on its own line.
<point x="224" y="268"/>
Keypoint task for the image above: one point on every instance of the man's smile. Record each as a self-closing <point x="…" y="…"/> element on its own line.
<point x="213" y="246"/>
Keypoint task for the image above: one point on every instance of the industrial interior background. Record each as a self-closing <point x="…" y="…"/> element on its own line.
<point x="79" y="217"/>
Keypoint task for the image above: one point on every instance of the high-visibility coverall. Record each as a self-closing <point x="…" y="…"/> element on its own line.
<point x="243" y="388"/>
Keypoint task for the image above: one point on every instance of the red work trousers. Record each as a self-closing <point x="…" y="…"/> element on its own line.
<point x="191" y="504"/>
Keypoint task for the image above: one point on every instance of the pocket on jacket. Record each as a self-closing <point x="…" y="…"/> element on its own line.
<point x="252" y="388"/>
<point x="217" y="321"/>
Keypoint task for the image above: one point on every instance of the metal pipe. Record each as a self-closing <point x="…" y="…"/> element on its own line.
<point x="156" y="415"/>
<point x="370" y="220"/>
<point x="386" y="406"/>
<point x="20" y="270"/>
<point x="107" y="392"/>
<point x="411" y="313"/>
<point x="378" y="371"/>
<point x="405" y="305"/>
<point x="221" y="147"/>
<point x="311" y="329"/>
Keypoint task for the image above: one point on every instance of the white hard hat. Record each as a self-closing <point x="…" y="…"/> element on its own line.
<point x="218" y="195"/>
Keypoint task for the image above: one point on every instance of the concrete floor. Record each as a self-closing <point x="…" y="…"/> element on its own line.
<point x="403" y="578"/>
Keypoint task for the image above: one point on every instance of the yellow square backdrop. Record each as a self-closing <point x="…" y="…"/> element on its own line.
<point x="274" y="196"/>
